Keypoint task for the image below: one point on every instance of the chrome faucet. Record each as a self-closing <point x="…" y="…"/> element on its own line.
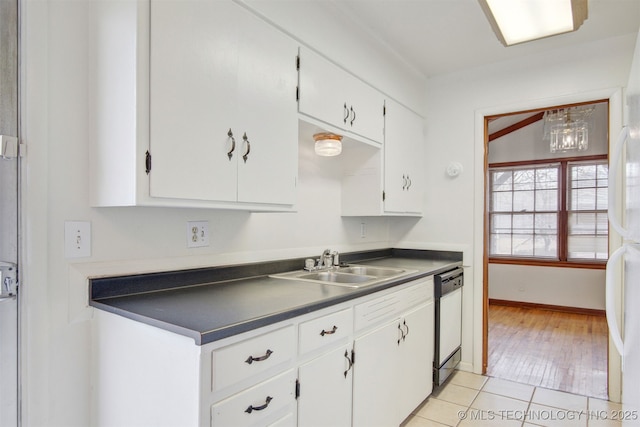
<point x="326" y="256"/>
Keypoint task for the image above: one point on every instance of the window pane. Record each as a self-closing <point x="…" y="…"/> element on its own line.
<point x="523" y="179"/>
<point x="502" y="180"/>
<point x="602" y="198"/>
<point x="523" y="224"/>
<point x="583" y="199"/>
<point x="523" y="201"/>
<point x="547" y="178"/>
<point x="546" y="246"/>
<point x="500" y="244"/>
<point x="582" y="223"/>
<point x="500" y="223"/>
<point x="546" y="200"/>
<point x="546" y="224"/>
<point x="588" y="247"/>
<point x="523" y="245"/>
<point x="502" y="202"/>
<point x="603" y="174"/>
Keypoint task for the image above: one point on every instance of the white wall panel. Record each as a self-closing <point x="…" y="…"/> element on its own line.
<point x="568" y="287"/>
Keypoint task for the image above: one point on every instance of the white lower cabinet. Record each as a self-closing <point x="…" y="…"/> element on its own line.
<point x="415" y="376"/>
<point x="325" y="389"/>
<point x="374" y="388"/>
<point x="365" y="362"/>
<point x="393" y="371"/>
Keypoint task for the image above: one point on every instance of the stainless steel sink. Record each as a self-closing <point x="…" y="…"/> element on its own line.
<point x="371" y="271"/>
<point x="353" y="276"/>
<point x="332" y="276"/>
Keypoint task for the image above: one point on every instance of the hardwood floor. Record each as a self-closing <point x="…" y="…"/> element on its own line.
<point x="551" y="349"/>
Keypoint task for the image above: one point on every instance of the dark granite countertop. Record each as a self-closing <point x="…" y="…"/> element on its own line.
<point x="210" y="304"/>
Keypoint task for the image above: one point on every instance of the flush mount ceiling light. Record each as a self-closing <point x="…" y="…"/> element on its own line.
<point x="519" y="21"/>
<point x="328" y="144"/>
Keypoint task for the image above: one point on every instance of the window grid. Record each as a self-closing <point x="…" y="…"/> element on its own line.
<point x="530" y="218"/>
<point x="523" y="211"/>
<point x="587" y="194"/>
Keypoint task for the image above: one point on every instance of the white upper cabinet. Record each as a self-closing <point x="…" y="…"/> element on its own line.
<point x="220" y="107"/>
<point x="388" y="181"/>
<point x="403" y="148"/>
<point x="223" y="111"/>
<point x="335" y="97"/>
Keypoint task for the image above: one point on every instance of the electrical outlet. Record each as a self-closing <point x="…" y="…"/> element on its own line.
<point x="363" y="230"/>
<point x="77" y="239"/>
<point x="197" y="234"/>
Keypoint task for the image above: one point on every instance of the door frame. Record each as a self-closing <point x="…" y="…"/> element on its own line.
<point x="10" y="218"/>
<point x="480" y="241"/>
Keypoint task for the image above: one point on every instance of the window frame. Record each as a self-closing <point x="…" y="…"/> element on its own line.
<point x="563" y="216"/>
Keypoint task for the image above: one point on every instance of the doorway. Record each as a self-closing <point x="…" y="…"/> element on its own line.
<point x="546" y="246"/>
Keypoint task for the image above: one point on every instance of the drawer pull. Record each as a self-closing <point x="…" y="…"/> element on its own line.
<point x="252" y="408"/>
<point x="252" y="359"/>
<point x="332" y="331"/>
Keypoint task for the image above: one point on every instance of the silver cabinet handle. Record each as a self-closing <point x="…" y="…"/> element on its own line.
<point x="404" y="182"/>
<point x="408" y="182"/>
<point x="233" y="144"/>
<point x="346" y="113"/>
<point x="353" y="114"/>
<point x="245" y="156"/>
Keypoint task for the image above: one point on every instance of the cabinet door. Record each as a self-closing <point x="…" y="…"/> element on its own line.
<point x="366" y="107"/>
<point x="326" y="389"/>
<point x="374" y="377"/>
<point x="322" y="89"/>
<point x="332" y="95"/>
<point x="403" y="161"/>
<point x="415" y="380"/>
<point x="267" y="114"/>
<point x="193" y="91"/>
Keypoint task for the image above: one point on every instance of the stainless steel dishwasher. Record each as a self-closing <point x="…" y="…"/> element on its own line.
<point x="448" y="324"/>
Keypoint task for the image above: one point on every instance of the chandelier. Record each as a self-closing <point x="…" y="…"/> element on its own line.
<point x="567" y="129"/>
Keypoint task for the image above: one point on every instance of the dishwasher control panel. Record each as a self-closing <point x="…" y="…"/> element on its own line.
<point x="448" y="282"/>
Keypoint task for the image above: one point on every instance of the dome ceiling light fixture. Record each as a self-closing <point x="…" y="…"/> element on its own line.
<point x="328" y="144"/>
<point x="519" y="21"/>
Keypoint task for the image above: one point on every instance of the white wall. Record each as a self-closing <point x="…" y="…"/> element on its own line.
<point x="569" y="287"/>
<point x="456" y="106"/>
<point x="56" y="333"/>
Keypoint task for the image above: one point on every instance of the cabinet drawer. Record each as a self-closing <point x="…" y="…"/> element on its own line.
<point x="253" y="356"/>
<point x="325" y="330"/>
<point x="255" y="406"/>
<point x="386" y="306"/>
<point x="421" y="292"/>
<point x="378" y="309"/>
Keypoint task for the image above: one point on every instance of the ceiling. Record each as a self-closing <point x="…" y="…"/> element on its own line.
<point x="441" y="36"/>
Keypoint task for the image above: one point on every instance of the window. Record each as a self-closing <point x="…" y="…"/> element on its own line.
<point x="587" y="211"/>
<point x="549" y="211"/>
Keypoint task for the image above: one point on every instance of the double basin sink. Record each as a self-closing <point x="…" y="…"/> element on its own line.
<point x="352" y="276"/>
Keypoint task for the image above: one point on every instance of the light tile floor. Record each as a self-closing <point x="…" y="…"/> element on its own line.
<point x="475" y="400"/>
